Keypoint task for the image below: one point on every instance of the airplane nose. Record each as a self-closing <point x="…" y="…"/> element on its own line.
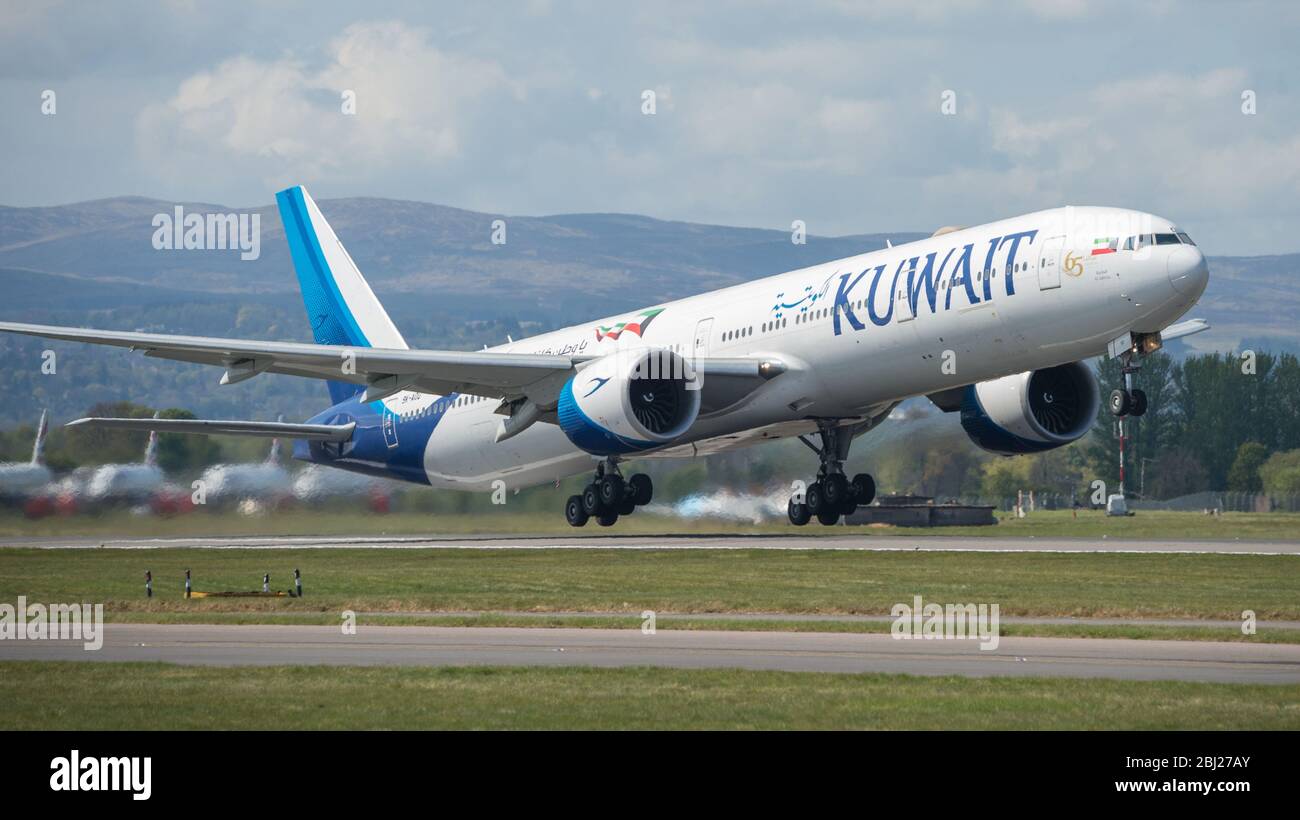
<point x="1187" y="270"/>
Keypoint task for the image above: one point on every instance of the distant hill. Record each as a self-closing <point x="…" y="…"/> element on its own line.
<point x="437" y="271"/>
<point x="432" y="253"/>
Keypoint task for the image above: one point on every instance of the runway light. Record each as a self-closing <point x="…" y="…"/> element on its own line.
<point x="266" y="582"/>
<point x="148" y="584"/>
<point x="187" y="583"/>
<point x="297" y="581"/>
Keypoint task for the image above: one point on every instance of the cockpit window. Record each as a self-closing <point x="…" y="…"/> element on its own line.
<point x="1146" y="240"/>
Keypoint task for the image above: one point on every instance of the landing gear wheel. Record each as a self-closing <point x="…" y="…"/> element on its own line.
<point x="607" y="519"/>
<point x="1139" y="400"/>
<point x="832" y="495"/>
<point x="574" y="512"/>
<point x="813" y="498"/>
<point x="611" y="490"/>
<point x="627" y="507"/>
<point x="1119" y="403"/>
<point x="864" y="489"/>
<point x="835" y="490"/>
<point x="642" y="489"/>
<point x="591" y="500"/>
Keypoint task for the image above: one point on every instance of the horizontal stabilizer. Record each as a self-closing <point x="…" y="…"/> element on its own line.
<point x="264" y="429"/>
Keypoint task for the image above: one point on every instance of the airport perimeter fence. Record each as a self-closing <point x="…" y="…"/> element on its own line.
<point x="1207" y="501"/>
<point x="1223" y="502"/>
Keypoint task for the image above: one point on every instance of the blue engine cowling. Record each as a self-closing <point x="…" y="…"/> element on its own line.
<point x="628" y="402"/>
<point x="1033" y="411"/>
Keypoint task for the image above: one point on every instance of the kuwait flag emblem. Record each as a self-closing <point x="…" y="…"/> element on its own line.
<point x="1106" y="245"/>
<point x="637" y="328"/>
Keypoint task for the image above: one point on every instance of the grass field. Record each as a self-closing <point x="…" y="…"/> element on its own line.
<point x="1151" y="585"/>
<point x="1055" y="524"/>
<point x="88" y="696"/>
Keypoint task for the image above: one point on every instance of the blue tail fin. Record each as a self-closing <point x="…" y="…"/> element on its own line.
<point x="340" y="305"/>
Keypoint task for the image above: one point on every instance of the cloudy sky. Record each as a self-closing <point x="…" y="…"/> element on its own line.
<point x="829" y="112"/>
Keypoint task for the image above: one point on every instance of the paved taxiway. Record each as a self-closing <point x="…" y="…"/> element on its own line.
<point x="849" y="541"/>
<point x="812" y="617"/>
<point x="789" y="651"/>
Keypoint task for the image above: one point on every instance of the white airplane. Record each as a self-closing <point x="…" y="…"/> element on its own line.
<point x="128" y="483"/>
<point x="20" y="480"/>
<point x="992" y="322"/>
<point x="268" y="480"/>
<point x="317" y="484"/>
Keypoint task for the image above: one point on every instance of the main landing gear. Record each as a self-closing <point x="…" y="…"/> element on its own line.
<point x="833" y="494"/>
<point x="608" y="496"/>
<point x="1128" y="400"/>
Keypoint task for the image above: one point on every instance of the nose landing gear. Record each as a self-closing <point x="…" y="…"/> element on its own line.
<point x="832" y="494"/>
<point x="1128" y="400"/>
<point x="1127" y="403"/>
<point x="608" y="496"/>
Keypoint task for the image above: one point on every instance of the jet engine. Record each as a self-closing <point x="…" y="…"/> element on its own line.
<point x="629" y="401"/>
<point x="1033" y="411"/>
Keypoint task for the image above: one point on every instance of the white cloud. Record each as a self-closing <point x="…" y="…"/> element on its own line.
<point x="828" y="110"/>
<point x="285" y="116"/>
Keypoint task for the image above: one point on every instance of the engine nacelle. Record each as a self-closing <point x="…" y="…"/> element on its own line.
<point x="1031" y="412"/>
<point x="629" y="401"/>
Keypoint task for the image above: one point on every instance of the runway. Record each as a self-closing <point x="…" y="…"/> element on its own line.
<point x="787" y="651"/>
<point x="850" y="541"/>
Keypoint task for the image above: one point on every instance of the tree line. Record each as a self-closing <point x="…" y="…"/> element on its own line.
<point x="1215" y="421"/>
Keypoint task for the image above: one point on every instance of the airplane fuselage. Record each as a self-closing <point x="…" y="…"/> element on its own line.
<point x="856" y="335"/>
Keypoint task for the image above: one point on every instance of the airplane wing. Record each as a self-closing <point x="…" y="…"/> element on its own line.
<point x="265" y="429"/>
<point x="1185" y="328"/>
<point x="383" y="371"/>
